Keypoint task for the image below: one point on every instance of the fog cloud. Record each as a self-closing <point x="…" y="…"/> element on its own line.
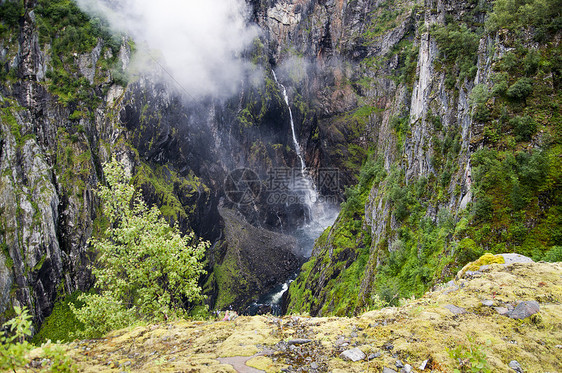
<point x="198" y="42"/>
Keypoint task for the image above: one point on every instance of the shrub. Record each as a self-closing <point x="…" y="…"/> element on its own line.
<point x="13" y="343"/>
<point x="520" y="89"/>
<point x="470" y="357"/>
<point x="544" y="15"/>
<point x="523" y="127"/>
<point x="14" y="347"/>
<point x="11" y="12"/>
<point x="500" y="84"/>
<point x="146" y="269"/>
<point x="554" y="254"/>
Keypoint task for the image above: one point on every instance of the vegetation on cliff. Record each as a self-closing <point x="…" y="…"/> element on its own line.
<point x="146" y="270"/>
<point x="507" y="159"/>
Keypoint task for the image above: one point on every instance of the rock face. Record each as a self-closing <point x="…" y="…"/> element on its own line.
<point x="372" y="85"/>
<point x="65" y="110"/>
<point x="425" y="194"/>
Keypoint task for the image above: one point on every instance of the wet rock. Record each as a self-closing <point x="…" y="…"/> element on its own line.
<point x="355" y="354"/>
<point x="267" y="258"/>
<point x="454" y="309"/>
<point x="524" y="310"/>
<point x="514" y="364"/>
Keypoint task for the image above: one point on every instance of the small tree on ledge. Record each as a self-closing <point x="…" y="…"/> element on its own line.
<point x="146" y="270"/>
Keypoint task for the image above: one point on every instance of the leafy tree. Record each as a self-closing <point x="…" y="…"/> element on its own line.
<point x="146" y="269"/>
<point x="514" y="14"/>
<point x="14" y="348"/>
<point x="554" y="254"/>
<point x="524" y="127"/>
<point x="13" y="344"/>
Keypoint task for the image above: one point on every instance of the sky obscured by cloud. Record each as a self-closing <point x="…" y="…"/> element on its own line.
<point x="198" y="42"/>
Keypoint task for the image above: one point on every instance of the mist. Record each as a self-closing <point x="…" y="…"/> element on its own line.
<point x="197" y="43"/>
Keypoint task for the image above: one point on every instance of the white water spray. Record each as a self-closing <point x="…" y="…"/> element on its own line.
<point x="321" y="213"/>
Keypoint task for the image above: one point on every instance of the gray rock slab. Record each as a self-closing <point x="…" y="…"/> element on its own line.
<point x="524" y="310"/>
<point x="514" y="364"/>
<point x="516" y="258"/>
<point x="501" y="310"/>
<point x="423" y="365"/>
<point x="354" y="354"/>
<point x="388" y="370"/>
<point x="299" y="341"/>
<point x="454" y="309"/>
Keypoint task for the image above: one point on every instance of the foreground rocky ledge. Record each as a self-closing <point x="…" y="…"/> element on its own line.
<point x="414" y="337"/>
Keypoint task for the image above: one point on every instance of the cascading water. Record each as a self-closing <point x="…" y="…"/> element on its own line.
<point x="321" y="214"/>
<point x="303" y="179"/>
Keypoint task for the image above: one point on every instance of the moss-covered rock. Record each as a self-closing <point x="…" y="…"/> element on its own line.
<point x="413" y="333"/>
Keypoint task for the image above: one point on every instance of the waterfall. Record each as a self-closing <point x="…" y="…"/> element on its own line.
<point x="310" y="194"/>
<point x="295" y="142"/>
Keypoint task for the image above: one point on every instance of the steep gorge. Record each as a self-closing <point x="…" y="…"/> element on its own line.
<point x="403" y="98"/>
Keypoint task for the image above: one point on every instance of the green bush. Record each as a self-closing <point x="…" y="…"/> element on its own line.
<point x="61" y="323"/>
<point x="146" y="270"/>
<point x="523" y="127"/>
<point x="543" y="15"/>
<point x="13" y="343"/>
<point x="470" y="357"/>
<point x="458" y="46"/>
<point x="14" y="347"/>
<point x="11" y="12"/>
<point x="554" y="254"/>
<point x="520" y="89"/>
<point x="500" y="84"/>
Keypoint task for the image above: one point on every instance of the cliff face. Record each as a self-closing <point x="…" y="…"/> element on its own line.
<point x="67" y="106"/>
<point x="451" y="142"/>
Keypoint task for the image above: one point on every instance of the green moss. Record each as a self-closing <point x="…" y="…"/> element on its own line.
<point x="226" y="275"/>
<point x="6" y="251"/>
<point x="485" y="259"/>
<point x="168" y="187"/>
<point x="61" y="323"/>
